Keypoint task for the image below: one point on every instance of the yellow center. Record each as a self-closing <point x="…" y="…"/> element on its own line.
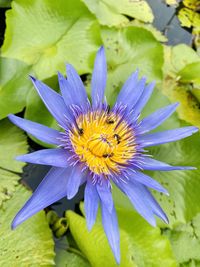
<point x="103" y="142"/>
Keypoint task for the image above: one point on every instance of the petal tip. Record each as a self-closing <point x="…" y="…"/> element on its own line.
<point x="14" y="223"/>
<point x="33" y="79"/>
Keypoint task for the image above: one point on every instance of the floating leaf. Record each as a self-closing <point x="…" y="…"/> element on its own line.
<point x="112" y="12"/>
<point x="141" y="244"/>
<point x="48" y="34"/>
<point x="185" y="240"/>
<point x="12" y="143"/>
<point x="129" y="49"/>
<point x="69" y="259"/>
<point x="176" y="59"/>
<point x="5" y="3"/>
<point x="172" y="2"/>
<point x="192" y="4"/>
<point x="31" y="244"/>
<point x="190" y="73"/>
<point x="14" y="86"/>
<point x="8" y="183"/>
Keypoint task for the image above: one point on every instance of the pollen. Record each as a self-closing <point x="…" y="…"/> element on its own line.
<point x="103" y="141"/>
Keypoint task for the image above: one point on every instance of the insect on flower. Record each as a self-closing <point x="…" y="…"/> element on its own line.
<point x="99" y="145"/>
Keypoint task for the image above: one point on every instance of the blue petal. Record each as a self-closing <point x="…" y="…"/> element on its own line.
<point x="105" y="195"/>
<point x="166" y="136"/>
<point x="131" y="99"/>
<point x="154" y="120"/>
<point x="133" y="191"/>
<point x="53" y="101"/>
<point x="78" y="92"/>
<point x="51" y="189"/>
<point x="53" y="157"/>
<point x="155" y="165"/>
<point x="66" y="90"/>
<point x="99" y="77"/>
<point x="39" y="131"/>
<point x="91" y="201"/>
<point x="146" y="180"/>
<point x="74" y="181"/>
<point x="157" y="210"/>
<point x="129" y="89"/>
<point x="110" y="224"/>
<point x="146" y="94"/>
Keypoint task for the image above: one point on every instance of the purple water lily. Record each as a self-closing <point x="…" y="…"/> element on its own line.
<point x="99" y="145"/>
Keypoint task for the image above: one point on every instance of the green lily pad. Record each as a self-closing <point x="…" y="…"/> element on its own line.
<point x="48" y="34"/>
<point x="190" y="73"/>
<point x="141" y="244"/>
<point x="185" y="241"/>
<point x="129" y="49"/>
<point x="112" y="12"/>
<point x="69" y="259"/>
<point x="31" y="244"/>
<point x="14" y="86"/>
<point x="177" y="60"/>
<point x="8" y="183"/>
<point x="12" y="143"/>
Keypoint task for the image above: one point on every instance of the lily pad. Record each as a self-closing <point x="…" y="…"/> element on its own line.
<point x="178" y="61"/>
<point x="31" y="244"/>
<point x="12" y="143"/>
<point x="8" y="183"/>
<point x="14" y="86"/>
<point x="112" y="12"/>
<point x="185" y="240"/>
<point x="47" y="34"/>
<point x="190" y="73"/>
<point x="69" y="259"/>
<point x="129" y="49"/>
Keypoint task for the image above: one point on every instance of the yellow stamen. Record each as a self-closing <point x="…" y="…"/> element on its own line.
<point x="103" y="143"/>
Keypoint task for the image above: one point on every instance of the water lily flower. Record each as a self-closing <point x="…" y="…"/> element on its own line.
<point x="99" y="145"/>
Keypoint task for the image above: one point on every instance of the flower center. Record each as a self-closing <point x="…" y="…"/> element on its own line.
<point x="103" y="141"/>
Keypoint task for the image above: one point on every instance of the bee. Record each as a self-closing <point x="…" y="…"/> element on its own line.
<point x="118" y="138"/>
<point x="109" y="155"/>
<point x="110" y="121"/>
<point x="80" y="131"/>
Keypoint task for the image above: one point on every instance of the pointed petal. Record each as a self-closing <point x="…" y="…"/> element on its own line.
<point x="52" y="188"/>
<point x="53" y="157"/>
<point x="99" y="77"/>
<point x="166" y="136"/>
<point x="146" y="94"/>
<point x="110" y="224"/>
<point x="155" y="119"/>
<point x="135" y="95"/>
<point x="128" y="89"/>
<point x="78" y="92"/>
<point x="146" y="180"/>
<point x="66" y="90"/>
<point x="74" y="181"/>
<point x="155" y="165"/>
<point x="39" y="131"/>
<point x="157" y="210"/>
<point x="133" y="191"/>
<point x="91" y="201"/>
<point x="53" y="101"/>
<point x="105" y="195"/>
